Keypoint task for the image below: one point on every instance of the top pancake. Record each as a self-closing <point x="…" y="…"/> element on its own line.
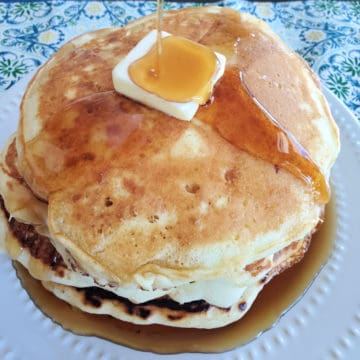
<point x="136" y="194"/>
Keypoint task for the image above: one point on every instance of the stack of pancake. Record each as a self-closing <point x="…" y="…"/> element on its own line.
<point x="120" y="209"/>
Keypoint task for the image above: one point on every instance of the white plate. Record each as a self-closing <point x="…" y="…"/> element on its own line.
<point x="324" y="324"/>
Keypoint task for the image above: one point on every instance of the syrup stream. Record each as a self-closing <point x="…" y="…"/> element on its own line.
<point x="309" y="171"/>
<point x="238" y="117"/>
<point x="159" y="17"/>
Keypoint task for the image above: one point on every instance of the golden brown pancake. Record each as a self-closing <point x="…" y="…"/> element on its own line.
<point x="147" y="206"/>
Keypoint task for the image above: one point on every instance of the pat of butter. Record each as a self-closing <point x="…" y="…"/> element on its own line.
<point x="124" y="85"/>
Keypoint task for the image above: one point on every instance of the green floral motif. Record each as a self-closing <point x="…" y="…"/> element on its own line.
<point x="12" y="69"/>
<point x="355" y="8"/>
<point x="19" y="12"/>
<point x="338" y="85"/>
<point x="21" y="9"/>
<point x="352" y="66"/>
<point x="327" y="7"/>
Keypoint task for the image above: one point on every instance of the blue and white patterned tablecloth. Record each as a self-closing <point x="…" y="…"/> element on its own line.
<point x="326" y="33"/>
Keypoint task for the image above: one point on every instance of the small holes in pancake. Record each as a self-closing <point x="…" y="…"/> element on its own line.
<point x="230" y="175"/>
<point x="108" y="202"/>
<point x="153" y="218"/>
<point x="133" y="212"/>
<point x="76" y="197"/>
<point x="192" y="188"/>
<point x="194" y="220"/>
<point x="88" y="156"/>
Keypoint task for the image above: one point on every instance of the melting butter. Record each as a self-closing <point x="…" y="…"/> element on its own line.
<point x="170" y="88"/>
<point x="183" y="71"/>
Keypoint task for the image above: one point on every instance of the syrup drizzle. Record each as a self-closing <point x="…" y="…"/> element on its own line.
<point x="238" y="116"/>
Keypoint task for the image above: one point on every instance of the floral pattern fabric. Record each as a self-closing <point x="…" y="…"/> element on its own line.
<point x="325" y="32"/>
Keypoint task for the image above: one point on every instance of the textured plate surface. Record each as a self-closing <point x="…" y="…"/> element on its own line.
<point x="324" y="324"/>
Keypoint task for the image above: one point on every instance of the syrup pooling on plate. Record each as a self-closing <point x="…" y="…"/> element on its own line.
<point x="181" y="72"/>
<point x="236" y="116"/>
